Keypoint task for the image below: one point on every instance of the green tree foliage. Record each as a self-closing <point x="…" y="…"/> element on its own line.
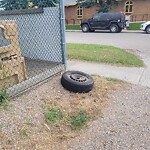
<point x="104" y="5"/>
<point x="45" y="3"/>
<point x="25" y="4"/>
<point x="13" y="4"/>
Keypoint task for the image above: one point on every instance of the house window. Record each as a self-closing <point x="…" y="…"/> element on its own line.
<point x="128" y="7"/>
<point x="79" y="12"/>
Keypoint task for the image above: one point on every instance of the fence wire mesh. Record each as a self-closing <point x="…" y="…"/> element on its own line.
<point x="31" y="43"/>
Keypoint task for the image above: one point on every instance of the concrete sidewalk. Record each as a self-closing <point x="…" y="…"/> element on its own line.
<point x="133" y="75"/>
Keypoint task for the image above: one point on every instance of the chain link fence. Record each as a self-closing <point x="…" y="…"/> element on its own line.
<point x="32" y="43"/>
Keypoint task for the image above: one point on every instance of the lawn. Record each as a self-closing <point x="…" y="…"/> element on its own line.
<point x="73" y="27"/>
<point x="134" y="26"/>
<point x="103" y="54"/>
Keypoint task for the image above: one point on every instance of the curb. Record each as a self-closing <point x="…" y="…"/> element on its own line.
<point x="130" y="31"/>
<point x="72" y="30"/>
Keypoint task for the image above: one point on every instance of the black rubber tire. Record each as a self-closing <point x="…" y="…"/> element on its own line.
<point x="77" y="81"/>
<point x="85" y="28"/>
<point x="148" y="30"/>
<point x="91" y="30"/>
<point x="119" y="30"/>
<point x="114" y="28"/>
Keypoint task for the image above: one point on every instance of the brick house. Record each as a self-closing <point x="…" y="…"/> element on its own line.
<point x="138" y="10"/>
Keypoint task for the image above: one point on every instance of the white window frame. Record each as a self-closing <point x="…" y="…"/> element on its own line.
<point x="128" y="7"/>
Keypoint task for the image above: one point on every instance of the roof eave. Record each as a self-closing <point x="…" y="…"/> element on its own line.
<point x="73" y="4"/>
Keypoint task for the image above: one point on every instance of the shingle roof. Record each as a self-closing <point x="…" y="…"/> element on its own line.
<point x="70" y="2"/>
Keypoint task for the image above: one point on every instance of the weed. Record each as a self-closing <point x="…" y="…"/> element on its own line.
<point x="53" y="115"/>
<point x="113" y="79"/>
<point x="24" y="132"/>
<point x="79" y="119"/>
<point x="3" y="96"/>
<point x="29" y="122"/>
<point x="4" y="99"/>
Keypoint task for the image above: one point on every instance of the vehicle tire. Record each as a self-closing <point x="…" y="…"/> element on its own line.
<point x="119" y="30"/>
<point x="91" y="30"/>
<point x="148" y="30"/>
<point x="77" y="81"/>
<point x="114" y="28"/>
<point x="85" y="28"/>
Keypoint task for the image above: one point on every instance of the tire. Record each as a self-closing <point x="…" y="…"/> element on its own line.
<point x="77" y="81"/>
<point x="148" y="30"/>
<point x="114" y="28"/>
<point x="85" y="28"/>
<point x="91" y="30"/>
<point x="119" y="30"/>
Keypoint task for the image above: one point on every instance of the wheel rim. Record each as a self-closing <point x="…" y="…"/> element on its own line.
<point x="113" y="29"/>
<point x="148" y="30"/>
<point x="84" y="28"/>
<point x="78" y="78"/>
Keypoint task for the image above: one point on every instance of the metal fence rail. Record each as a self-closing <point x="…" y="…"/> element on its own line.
<point x="32" y="46"/>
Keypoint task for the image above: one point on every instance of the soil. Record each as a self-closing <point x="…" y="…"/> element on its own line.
<point x="23" y="125"/>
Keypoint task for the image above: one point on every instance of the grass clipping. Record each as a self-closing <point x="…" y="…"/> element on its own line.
<point x="55" y="115"/>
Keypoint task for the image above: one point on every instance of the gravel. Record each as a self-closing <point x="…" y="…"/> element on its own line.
<point x="125" y="124"/>
<point x="35" y="67"/>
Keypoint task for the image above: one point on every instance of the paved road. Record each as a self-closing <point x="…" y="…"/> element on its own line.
<point x="138" y="41"/>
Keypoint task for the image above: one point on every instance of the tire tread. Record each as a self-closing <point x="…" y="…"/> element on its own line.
<point x="75" y="86"/>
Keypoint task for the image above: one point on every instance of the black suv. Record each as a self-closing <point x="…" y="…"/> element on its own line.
<point x="114" y="22"/>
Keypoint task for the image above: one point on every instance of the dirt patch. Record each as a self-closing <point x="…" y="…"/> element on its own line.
<point x="23" y="125"/>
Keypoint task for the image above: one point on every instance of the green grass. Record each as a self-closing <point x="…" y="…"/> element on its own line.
<point x="3" y="96"/>
<point x="103" y="54"/>
<point x="73" y="27"/>
<point x="24" y="133"/>
<point x="4" y="99"/>
<point x="53" y="115"/>
<point x="79" y="119"/>
<point x="134" y="26"/>
<point x="113" y="79"/>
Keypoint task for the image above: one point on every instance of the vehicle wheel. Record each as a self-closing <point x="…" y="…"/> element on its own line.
<point x="92" y="30"/>
<point x="148" y="29"/>
<point x="119" y="30"/>
<point x="114" y="28"/>
<point x="77" y="81"/>
<point x="85" y="28"/>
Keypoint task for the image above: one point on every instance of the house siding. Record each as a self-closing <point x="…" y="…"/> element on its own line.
<point x="71" y="14"/>
<point x="141" y="10"/>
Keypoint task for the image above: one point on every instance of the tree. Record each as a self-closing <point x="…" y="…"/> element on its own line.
<point x="104" y="5"/>
<point x="25" y="4"/>
<point x="45" y="3"/>
<point x="14" y="4"/>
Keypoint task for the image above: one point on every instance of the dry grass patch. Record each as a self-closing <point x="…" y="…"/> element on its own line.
<point x="25" y="126"/>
